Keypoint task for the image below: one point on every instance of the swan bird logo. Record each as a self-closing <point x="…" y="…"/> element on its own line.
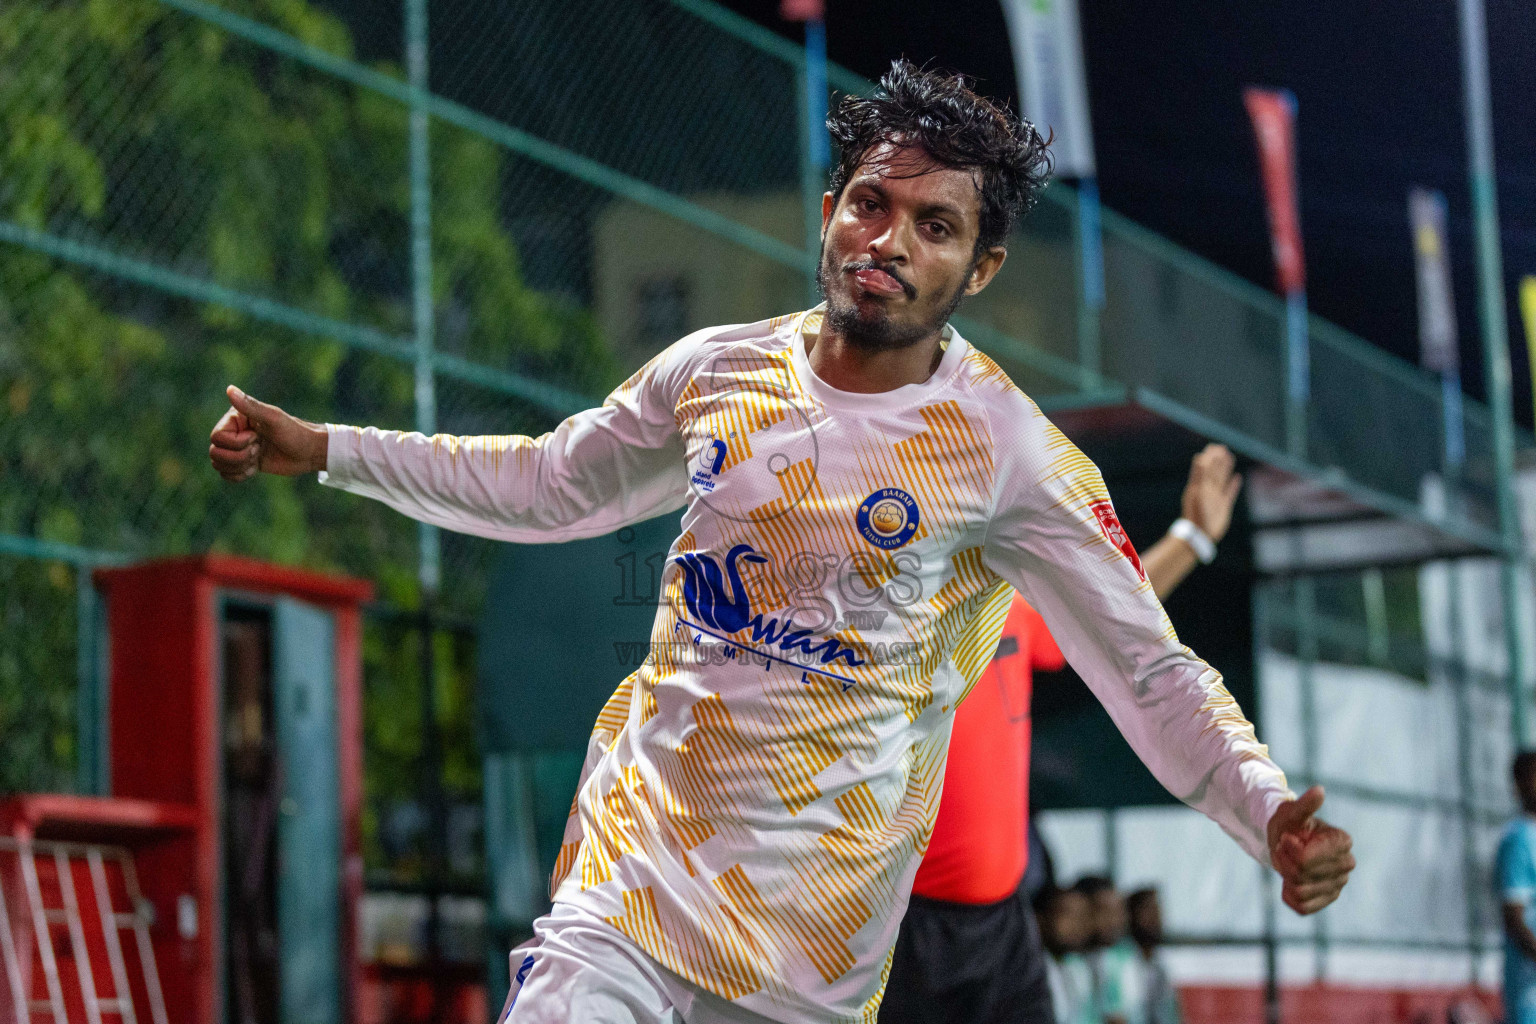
<point x="705" y="588"/>
<point x="720" y="605"/>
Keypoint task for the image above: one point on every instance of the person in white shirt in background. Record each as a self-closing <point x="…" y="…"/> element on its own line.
<point x="1066" y="929"/>
<point x="1109" y="951"/>
<point x="1154" y="989"/>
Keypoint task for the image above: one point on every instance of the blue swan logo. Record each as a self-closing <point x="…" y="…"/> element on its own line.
<point x="705" y="591"/>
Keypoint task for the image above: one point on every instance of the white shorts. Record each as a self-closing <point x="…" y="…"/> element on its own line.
<point x="578" y="969"/>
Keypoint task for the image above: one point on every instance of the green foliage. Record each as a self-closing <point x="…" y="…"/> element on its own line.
<point x="130" y="126"/>
<point x="393" y="736"/>
<point x="37" y="641"/>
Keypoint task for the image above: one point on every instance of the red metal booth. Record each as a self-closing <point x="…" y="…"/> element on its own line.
<point x="235" y="696"/>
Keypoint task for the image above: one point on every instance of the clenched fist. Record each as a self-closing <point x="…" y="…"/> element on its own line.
<point x="1311" y="855"/>
<point x="254" y="437"/>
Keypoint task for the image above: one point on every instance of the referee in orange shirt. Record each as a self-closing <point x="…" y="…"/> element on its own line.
<point x="969" y="950"/>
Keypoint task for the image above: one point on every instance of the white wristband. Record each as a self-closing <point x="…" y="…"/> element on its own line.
<point x="1198" y="540"/>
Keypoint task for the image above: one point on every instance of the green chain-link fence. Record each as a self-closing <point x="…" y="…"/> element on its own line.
<point x="195" y="194"/>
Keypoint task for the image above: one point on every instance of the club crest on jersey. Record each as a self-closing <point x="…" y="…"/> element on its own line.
<point x="1104" y="512"/>
<point x="888" y="518"/>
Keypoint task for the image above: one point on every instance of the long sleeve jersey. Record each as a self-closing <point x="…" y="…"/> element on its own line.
<point x="758" y="795"/>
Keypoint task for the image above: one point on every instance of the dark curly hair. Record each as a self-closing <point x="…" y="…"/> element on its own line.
<point x="939" y="113"/>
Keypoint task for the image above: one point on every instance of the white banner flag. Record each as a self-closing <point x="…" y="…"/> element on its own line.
<point x="1048" y="57"/>
<point x="1437" y="309"/>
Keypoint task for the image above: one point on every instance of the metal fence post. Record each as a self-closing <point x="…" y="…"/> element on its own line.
<point x="1490" y="286"/>
<point x="1298" y="373"/>
<point x="430" y="566"/>
<point x="1461" y="680"/>
<point x="90" y="689"/>
<point x="1089" y="239"/>
<point x="1305" y="595"/>
<point x="815" y="148"/>
<point x="1271" y="947"/>
<point x="421" y="258"/>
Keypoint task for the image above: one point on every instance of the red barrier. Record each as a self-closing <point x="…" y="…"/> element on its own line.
<point x="422" y="994"/>
<point x="79" y="939"/>
<point x="1328" y="1004"/>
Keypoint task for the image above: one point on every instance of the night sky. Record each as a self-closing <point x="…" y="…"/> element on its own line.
<point x="1378" y="84"/>
<point x="1378" y="87"/>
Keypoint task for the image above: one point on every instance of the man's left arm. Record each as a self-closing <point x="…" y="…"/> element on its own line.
<point x="1054" y="536"/>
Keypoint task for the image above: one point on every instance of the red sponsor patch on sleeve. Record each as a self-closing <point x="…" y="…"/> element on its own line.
<point x="1104" y="512"/>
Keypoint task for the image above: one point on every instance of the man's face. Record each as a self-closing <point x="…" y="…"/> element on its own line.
<point x="1147" y="921"/>
<point x="1068" y="925"/>
<point x="899" y="248"/>
<point x="1109" y="917"/>
<point x="1525" y="789"/>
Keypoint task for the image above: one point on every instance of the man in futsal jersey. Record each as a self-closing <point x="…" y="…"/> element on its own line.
<point x="969" y="951"/>
<point x="860" y="488"/>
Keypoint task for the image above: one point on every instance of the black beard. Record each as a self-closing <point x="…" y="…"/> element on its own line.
<point x="875" y="332"/>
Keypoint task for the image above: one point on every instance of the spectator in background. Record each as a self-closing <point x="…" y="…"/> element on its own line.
<point x="1111" y="955"/>
<point x="1517" y="893"/>
<point x="1066" y="928"/>
<point x="1039" y="870"/>
<point x="1156" y="995"/>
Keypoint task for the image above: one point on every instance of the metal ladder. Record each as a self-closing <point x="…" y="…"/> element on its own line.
<point x="112" y="921"/>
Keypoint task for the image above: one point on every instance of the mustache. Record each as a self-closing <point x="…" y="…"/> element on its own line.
<point x="887" y="268"/>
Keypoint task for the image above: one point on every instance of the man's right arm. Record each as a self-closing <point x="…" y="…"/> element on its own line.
<point x="601" y="469"/>
<point x="1053" y="534"/>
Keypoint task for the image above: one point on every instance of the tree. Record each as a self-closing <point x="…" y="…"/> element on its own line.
<point x="135" y="128"/>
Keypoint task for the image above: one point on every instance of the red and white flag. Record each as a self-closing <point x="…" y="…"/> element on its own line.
<point x="1274" y="122"/>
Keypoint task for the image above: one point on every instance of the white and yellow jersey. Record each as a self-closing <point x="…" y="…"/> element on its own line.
<point x="759" y="793"/>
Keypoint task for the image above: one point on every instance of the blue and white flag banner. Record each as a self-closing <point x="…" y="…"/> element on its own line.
<point x="1437" y="308"/>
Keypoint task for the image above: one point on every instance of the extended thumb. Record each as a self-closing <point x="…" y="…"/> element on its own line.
<point x="245" y="404"/>
<point x="1309" y="803"/>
